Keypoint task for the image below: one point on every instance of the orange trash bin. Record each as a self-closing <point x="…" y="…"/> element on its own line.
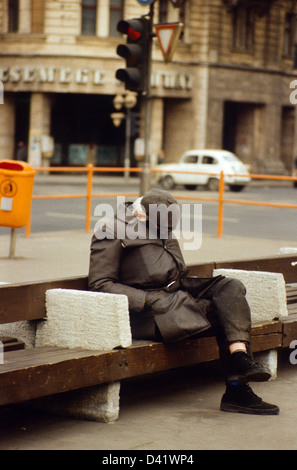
<point x="16" y="187"/>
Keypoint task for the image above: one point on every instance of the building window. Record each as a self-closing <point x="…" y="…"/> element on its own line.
<point x="37" y="18"/>
<point x="115" y="15"/>
<point x="89" y="15"/>
<point x="163" y="11"/>
<point x="13" y="16"/>
<point x="243" y="28"/>
<point x="289" y="35"/>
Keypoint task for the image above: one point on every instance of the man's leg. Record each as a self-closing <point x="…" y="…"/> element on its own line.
<point x="231" y="320"/>
<point x="230" y="315"/>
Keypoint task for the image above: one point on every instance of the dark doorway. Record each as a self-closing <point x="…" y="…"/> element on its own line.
<point x="229" y="128"/>
<point x="22" y="116"/>
<point x="84" y="132"/>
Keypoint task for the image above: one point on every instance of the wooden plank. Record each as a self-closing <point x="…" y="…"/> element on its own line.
<point x="46" y="371"/>
<point x="278" y="265"/>
<point x="26" y="301"/>
<point x="16" y="360"/>
<point x="289" y="330"/>
<point x="261" y="328"/>
<point x="291" y="292"/>
<point x="89" y="369"/>
<point x="202" y="270"/>
<point x="11" y="344"/>
<point x="266" y="342"/>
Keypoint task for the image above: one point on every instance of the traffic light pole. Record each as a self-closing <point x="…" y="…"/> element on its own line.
<point x="127" y="145"/>
<point x="146" y="173"/>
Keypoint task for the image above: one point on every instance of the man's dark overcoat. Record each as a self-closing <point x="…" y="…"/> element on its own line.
<point x="121" y="264"/>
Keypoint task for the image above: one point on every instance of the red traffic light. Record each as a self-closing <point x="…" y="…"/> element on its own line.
<point x="136" y="53"/>
<point x="133" y="35"/>
<point x="133" y="28"/>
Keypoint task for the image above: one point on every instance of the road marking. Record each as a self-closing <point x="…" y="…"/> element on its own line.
<point x="63" y="215"/>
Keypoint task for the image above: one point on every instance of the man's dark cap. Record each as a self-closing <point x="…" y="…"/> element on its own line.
<point x="162" y="207"/>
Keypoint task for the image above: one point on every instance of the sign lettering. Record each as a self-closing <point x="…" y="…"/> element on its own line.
<point x="83" y="76"/>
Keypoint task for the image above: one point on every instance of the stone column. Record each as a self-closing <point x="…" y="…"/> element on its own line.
<point x="7" y="128"/>
<point x="156" y="128"/>
<point x="200" y="107"/>
<point x="102" y="19"/>
<point x="40" y="110"/>
<point x="25" y="16"/>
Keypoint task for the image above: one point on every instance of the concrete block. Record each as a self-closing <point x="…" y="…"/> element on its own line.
<point x="90" y="320"/>
<point x="99" y="403"/>
<point x="268" y="359"/>
<point x="266" y="292"/>
<point x="22" y="330"/>
<point x="287" y="250"/>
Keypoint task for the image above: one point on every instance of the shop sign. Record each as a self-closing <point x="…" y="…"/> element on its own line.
<point x="172" y="80"/>
<point x="66" y="76"/>
<point x="63" y="75"/>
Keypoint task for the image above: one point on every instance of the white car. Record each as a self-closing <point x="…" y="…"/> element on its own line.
<point x="209" y="163"/>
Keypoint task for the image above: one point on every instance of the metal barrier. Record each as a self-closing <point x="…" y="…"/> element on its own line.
<point x="89" y="195"/>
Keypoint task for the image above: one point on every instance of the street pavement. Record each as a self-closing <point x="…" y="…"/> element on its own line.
<point x="173" y="411"/>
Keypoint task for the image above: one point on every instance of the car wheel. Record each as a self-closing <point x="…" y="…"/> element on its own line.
<point x="295" y="184"/>
<point x="213" y="184"/>
<point x="168" y="182"/>
<point x="191" y="186"/>
<point x="236" y="187"/>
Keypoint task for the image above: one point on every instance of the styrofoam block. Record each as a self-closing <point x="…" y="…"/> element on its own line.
<point x="265" y="292"/>
<point x="90" y="320"/>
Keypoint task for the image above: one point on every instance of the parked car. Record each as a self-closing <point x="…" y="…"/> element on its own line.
<point x="210" y="163"/>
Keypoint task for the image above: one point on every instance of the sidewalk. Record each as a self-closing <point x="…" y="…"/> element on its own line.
<point x="176" y="410"/>
<point x="66" y="253"/>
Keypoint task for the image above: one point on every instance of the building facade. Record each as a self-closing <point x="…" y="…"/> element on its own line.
<point x="227" y="86"/>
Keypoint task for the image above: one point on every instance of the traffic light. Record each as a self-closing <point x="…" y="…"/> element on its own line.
<point x="136" y="52"/>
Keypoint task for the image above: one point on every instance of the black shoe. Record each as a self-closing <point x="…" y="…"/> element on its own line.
<point x="244" y="368"/>
<point x="240" y="398"/>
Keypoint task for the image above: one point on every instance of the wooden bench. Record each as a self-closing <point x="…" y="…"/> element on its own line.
<point x="38" y="372"/>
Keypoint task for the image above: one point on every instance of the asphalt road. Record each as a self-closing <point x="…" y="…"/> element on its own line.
<point x="239" y="220"/>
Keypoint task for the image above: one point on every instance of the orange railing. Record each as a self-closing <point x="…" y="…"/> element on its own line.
<point x="89" y="195"/>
